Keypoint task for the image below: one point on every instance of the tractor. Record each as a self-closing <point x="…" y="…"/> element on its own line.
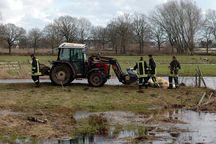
<point x="72" y="63"/>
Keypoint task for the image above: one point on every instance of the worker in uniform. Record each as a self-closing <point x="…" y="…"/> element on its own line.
<point x="174" y="68"/>
<point x="141" y="67"/>
<point x="35" y="70"/>
<point x="152" y="71"/>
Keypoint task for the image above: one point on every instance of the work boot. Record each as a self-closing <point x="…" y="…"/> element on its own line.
<point x="170" y="86"/>
<point x="140" y="86"/>
<point x="37" y="85"/>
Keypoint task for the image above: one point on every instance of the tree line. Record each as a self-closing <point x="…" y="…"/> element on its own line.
<point x="179" y="25"/>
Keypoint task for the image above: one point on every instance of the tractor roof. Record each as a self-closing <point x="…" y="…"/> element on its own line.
<point x="72" y="45"/>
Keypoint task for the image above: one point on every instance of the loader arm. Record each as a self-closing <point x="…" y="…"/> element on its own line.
<point x="123" y="77"/>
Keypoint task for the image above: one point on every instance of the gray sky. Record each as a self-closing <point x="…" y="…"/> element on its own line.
<point x="38" y="13"/>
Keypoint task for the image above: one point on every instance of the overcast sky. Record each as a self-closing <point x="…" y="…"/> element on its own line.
<point x="37" y="13"/>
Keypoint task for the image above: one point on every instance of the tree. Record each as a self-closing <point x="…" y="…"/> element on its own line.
<point x="99" y="36"/>
<point x="53" y="36"/>
<point x="67" y="26"/>
<point x="181" y="21"/>
<point x="12" y="34"/>
<point x="124" y="30"/>
<point x="84" y="29"/>
<point x="158" y="35"/>
<point x="210" y="22"/>
<point x="208" y="30"/>
<point x="112" y="35"/>
<point x="141" y="29"/>
<point x="34" y="36"/>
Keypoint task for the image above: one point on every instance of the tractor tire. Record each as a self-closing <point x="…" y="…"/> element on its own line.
<point x="61" y="75"/>
<point x="96" y="79"/>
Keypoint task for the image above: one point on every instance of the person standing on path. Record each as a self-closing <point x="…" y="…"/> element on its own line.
<point x="35" y="70"/>
<point x="141" y="67"/>
<point x="152" y="71"/>
<point x="174" y="68"/>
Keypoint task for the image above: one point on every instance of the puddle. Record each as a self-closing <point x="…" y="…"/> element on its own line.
<point x="8" y="112"/>
<point x="202" y="127"/>
<point x="199" y="128"/>
<point x="81" y="115"/>
<point x="189" y="81"/>
<point x="113" y="117"/>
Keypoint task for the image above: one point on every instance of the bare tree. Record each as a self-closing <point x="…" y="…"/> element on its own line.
<point x="84" y="29"/>
<point x="141" y="29"/>
<point x="207" y="36"/>
<point x="158" y="34"/>
<point x="1" y="31"/>
<point x="23" y="42"/>
<point x="124" y="31"/>
<point x="210" y="21"/>
<point x="181" y="21"/>
<point x="1" y="27"/>
<point x="208" y="30"/>
<point x="67" y="26"/>
<point x="12" y="34"/>
<point x="53" y="36"/>
<point x="112" y="35"/>
<point x="34" y="37"/>
<point x="99" y="36"/>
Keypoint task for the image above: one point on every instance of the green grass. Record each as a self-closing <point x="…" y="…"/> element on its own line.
<point x="188" y="63"/>
<point x="83" y="97"/>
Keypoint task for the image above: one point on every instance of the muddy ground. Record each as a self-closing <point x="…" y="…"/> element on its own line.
<point x="51" y="112"/>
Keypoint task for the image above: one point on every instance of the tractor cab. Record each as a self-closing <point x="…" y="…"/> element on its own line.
<point x="74" y="54"/>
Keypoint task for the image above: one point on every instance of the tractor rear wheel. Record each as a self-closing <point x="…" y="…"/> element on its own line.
<point x="61" y="75"/>
<point x="96" y="78"/>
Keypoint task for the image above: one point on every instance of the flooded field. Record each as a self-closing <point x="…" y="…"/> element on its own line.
<point x="164" y="126"/>
<point x="195" y="128"/>
<point x="198" y="128"/>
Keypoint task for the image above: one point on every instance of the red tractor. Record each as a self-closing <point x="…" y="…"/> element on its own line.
<point x="72" y="63"/>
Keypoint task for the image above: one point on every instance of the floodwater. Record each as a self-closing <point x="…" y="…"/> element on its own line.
<point x="189" y="81"/>
<point x="200" y="128"/>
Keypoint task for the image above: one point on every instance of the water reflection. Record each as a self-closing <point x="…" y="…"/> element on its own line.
<point x="202" y="127"/>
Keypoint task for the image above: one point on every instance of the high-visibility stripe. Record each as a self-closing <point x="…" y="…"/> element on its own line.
<point x="38" y="73"/>
<point x="141" y="69"/>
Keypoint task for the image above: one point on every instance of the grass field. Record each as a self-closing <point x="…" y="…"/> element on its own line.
<point x="57" y="105"/>
<point x="207" y="65"/>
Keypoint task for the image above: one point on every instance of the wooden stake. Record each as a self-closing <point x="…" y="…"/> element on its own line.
<point x="201" y="76"/>
<point x="210" y="95"/>
<point x="204" y="94"/>
<point x="196" y="85"/>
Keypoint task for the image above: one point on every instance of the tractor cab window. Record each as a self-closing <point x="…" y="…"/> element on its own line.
<point x="64" y="54"/>
<point x="77" y="55"/>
